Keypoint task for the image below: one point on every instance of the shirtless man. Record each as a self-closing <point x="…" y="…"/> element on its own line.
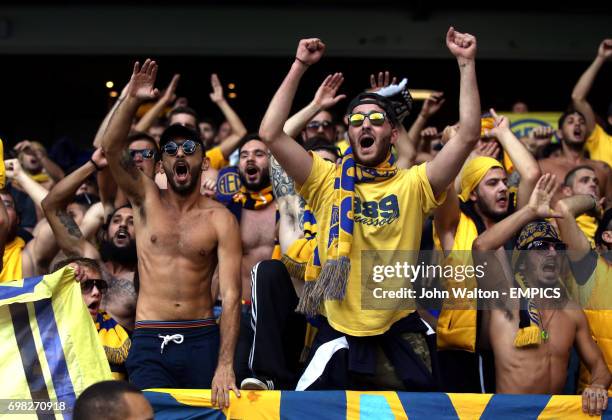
<point x="573" y="133"/>
<point x="180" y="237"/>
<point x="539" y="366"/>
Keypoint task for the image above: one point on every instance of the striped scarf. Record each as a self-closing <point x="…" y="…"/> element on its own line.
<point x="530" y="322"/>
<point x="328" y="281"/>
<point x="254" y="200"/>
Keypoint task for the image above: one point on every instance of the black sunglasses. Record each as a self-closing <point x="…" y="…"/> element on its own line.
<point x="314" y="125"/>
<point x="88" y="285"/>
<point x="545" y="245"/>
<point x="171" y="148"/>
<point x="145" y="153"/>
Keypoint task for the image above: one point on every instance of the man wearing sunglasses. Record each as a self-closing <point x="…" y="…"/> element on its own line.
<point x="181" y="238"/>
<point x="113" y="337"/>
<point x="382" y="207"/>
<point x="532" y="335"/>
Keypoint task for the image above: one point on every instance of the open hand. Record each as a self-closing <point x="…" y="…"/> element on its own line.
<point x="542" y="194"/>
<point x="142" y="82"/>
<point x="433" y="104"/>
<point x="310" y="51"/>
<point x="223" y="382"/>
<point x="325" y="97"/>
<point x="217" y="94"/>
<point x="169" y="95"/>
<point x="383" y="80"/>
<point x="500" y="124"/>
<point x="461" y="45"/>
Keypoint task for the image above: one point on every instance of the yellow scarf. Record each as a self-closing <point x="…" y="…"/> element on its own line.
<point x="12" y="260"/>
<point x="329" y="281"/>
<point x="254" y="200"/>
<point x="113" y="337"/>
<point x="40" y="177"/>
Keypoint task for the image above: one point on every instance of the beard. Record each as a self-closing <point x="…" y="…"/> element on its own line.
<point x="125" y="256"/>
<point x="183" y="189"/>
<point x="489" y="212"/>
<point x="264" y="180"/>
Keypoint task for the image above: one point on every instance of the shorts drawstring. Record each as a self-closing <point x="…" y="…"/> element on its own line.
<point x="176" y="338"/>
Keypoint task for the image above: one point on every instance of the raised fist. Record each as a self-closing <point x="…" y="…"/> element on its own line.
<point x="310" y="51"/>
<point x="461" y="45"/>
<point x="605" y="48"/>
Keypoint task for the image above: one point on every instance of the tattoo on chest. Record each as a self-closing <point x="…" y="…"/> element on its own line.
<point x="69" y="223"/>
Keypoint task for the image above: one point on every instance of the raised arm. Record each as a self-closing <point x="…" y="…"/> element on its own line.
<point x="165" y="100"/>
<point x="229" y="144"/>
<point x="290" y="206"/>
<point x="443" y="169"/>
<point x="229" y="250"/>
<point x="325" y="98"/>
<point x="446" y="219"/>
<point x="55" y="172"/>
<point x="583" y="86"/>
<point x="291" y="156"/>
<point x="523" y="161"/>
<point x="69" y="237"/>
<point x="537" y="208"/>
<point x="570" y="208"/>
<point x="104" y="124"/>
<point x="115" y="140"/>
<point x="430" y="107"/>
<point x="32" y="188"/>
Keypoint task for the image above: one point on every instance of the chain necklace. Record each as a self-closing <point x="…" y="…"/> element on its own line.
<point x="545" y="333"/>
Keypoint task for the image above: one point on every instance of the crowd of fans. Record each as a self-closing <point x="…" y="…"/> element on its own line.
<point x="211" y="257"/>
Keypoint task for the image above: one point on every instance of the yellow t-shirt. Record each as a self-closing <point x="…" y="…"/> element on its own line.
<point x="398" y="207"/>
<point x="588" y="226"/>
<point x="599" y="145"/>
<point x="12" y="260"/>
<point x="597" y="293"/>
<point x="217" y="161"/>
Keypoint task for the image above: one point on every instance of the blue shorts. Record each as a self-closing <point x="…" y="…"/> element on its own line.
<point x="173" y="354"/>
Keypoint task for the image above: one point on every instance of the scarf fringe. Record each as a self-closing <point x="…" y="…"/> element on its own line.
<point x="335" y="287"/>
<point x="311" y="300"/>
<point x="296" y="269"/>
<point x="117" y="355"/>
<point x="528" y="336"/>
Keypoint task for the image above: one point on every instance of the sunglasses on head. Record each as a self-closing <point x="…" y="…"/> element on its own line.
<point x="171" y="148"/>
<point x="546" y="245"/>
<point x="376" y="118"/>
<point x="88" y="285"/>
<point x="144" y="153"/>
<point x="314" y="125"/>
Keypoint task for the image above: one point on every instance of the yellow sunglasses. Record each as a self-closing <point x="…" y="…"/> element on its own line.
<point x="376" y="118"/>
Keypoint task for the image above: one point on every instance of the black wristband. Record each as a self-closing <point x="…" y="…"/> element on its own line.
<point x="302" y="61"/>
<point x="94" y="164"/>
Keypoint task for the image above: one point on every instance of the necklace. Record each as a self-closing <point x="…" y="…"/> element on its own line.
<point x="545" y="334"/>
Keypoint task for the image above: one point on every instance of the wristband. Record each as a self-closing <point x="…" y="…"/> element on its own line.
<point x="302" y="61"/>
<point x="94" y="164"/>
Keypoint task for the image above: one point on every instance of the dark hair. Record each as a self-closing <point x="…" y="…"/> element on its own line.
<point x="567" y="114"/>
<point x="140" y="135"/>
<point x="569" y="178"/>
<point x="210" y="121"/>
<point x="110" y="216"/>
<point x="104" y="400"/>
<point x="81" y="261"/>
<point x="321" y="143"/>
<point x="85" y="200"/>
<point x="604" y="224"/>
<point x="185" y="110"/>
<point x="247" y="138"/>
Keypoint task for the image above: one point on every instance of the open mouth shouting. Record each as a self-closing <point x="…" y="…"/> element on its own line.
<point x="578" y="133"/>
<point x="366" y="142"/>
<point x="181" y="172"/>
<point x="252" y="173"/>
<point x="122" y="237"/>
<point x="550" y="266"/>
<point x="93" y="307"/>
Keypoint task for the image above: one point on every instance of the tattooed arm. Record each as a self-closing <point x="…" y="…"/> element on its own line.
<point x="290" y="206"/>
<point x="115" y="139"/>
<point x="67" y="233"/>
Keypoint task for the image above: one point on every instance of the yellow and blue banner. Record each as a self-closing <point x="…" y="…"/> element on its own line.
<point x="522" y="124"/>
<point x="49" y="346"/>
<point x="382" y="405"/>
